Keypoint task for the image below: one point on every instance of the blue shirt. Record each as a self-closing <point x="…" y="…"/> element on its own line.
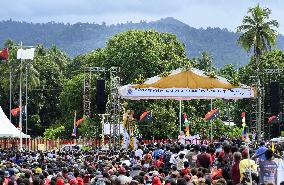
<point x="259" y="151"/>
<point x="158" y="153"/>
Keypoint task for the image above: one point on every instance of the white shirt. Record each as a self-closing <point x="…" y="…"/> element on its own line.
<point x="139" y="153"/>
<point x="173" y="159"/>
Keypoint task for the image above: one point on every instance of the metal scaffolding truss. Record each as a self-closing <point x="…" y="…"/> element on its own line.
<point x="113" y="111"/>
<point x="88" y="87"/>
<point x="258" y="111"/>
<point x="114" y="108"/>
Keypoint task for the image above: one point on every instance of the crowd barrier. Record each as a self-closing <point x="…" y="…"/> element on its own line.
<point x="46" y="144"/>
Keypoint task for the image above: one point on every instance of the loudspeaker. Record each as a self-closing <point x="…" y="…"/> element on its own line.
<point x="274" y="97"/>
<point x="101" y="96"/>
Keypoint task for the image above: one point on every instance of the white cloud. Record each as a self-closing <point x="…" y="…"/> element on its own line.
<point x="196" y="13"/>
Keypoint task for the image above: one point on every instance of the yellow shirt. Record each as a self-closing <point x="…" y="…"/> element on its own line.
<point x="244" y="166"/>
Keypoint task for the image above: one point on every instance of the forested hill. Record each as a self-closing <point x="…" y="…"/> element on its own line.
<point x="80" y="38"/>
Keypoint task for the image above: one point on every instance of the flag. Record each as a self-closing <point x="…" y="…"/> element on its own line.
<point x="4" y="54"/>
<point x="74" y="133"/>
<point x="272" y="119"/>
<point x="15" y="112"/>
<point x="211" y="115"/>
<point x="26" y="53"/>
<point x="186" y="123"/>
<point x="146" y="116"/>
<point x="126" y="139"/>
<point x="244" y="132"/>
<point x="243" y="117"/>
<point x="78" y="122"/>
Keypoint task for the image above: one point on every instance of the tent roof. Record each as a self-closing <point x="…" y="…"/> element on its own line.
<point x="186" y="85"/>
<point x="7" y="129"/>
<point x="192" y="78"/>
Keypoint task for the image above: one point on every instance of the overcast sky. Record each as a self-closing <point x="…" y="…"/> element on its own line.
<point x="196" y="13"/>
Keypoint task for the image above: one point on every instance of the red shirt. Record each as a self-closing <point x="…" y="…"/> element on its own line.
<point x="236" y="172"/>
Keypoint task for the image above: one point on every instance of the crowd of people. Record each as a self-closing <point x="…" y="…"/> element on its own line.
<point x="222" y="163"/>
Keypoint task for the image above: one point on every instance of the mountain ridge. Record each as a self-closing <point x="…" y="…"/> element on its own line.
<point x="80" y="38"/>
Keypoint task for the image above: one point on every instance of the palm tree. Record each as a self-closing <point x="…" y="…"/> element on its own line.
<point x="258" y="31"/>
<point x="259" y="34"/>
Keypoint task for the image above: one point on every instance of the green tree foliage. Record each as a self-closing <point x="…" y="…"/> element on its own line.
<point x="258" y="31"/>
<point x="54" y="133"/>
<point x="144" y="53"/>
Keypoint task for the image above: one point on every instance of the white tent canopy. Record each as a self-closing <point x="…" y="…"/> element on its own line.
<point x="185" y="85"/>
<point x="7" y="129"/>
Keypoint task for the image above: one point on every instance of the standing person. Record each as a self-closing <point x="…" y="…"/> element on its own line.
<point x="181" y="160"/>
<point x="235" y="172"/>
<point x="268" y="169"/>
<point x="192" y="156"/>
<point x="203" y="159"/>
<point x="246" y="165"/>
<point x="259" y="153"/>
<point x="158" y="152"/>
<point x="139" y="152"/>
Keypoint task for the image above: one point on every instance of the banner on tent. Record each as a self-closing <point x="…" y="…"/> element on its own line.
<point x="185" y="93"/>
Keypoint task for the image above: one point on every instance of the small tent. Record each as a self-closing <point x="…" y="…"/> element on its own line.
<point x="7" y="129"/>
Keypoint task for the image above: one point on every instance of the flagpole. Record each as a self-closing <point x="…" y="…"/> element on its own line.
<point x="26" y="107"/>
<point x="211" y="126"/>
<point x="20" y="94"/>
<point x="179" y="116"/>
<point x="10" y="94"/>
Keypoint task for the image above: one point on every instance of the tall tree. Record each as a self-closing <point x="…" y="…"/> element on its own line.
<point x="258" y="31"/>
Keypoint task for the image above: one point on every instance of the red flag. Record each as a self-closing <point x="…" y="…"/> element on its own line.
<point x="4" y="54"/>
<point x="271" y="119"/>
<point x="15" y="111"/>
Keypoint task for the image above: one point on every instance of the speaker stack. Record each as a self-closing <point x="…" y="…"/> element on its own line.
<point x="275" y="97"/>
<point x="275" y="107"/>
<point x="101" y="96"/>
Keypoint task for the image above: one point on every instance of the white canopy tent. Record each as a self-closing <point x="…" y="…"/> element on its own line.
<point x="7" y="129"/>
<point x="186" y="85"/>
